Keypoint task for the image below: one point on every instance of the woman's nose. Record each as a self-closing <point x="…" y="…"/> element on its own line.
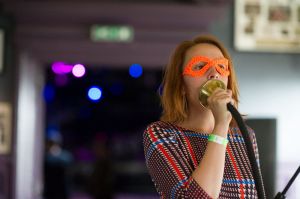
<point x="213" y="73"/>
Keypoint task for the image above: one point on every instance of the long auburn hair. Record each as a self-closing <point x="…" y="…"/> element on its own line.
<point x="172" y="100"/>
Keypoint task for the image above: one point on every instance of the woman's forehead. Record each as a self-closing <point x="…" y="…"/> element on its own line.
<point x="204" y="49"/>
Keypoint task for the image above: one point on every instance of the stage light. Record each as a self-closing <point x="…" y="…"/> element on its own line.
<point x="95" y="93"/>
<point x="78" y="70"/>
<point x="48" y="93"/>
<point x="135" y="70"/>
<point x="61" y="68"/>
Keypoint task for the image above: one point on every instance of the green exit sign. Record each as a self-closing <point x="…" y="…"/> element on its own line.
<point x="112" y="33"/>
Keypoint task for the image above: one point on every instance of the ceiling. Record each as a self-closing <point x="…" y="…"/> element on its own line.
<point x="59" y="30"/>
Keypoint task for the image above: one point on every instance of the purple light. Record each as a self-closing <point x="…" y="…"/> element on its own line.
<point x="56" y="67"/>
<point x="78" y="70"/>
<point x="61" y="80"/>
<point x="67" y="68"/>
<point x="61" y="68"/>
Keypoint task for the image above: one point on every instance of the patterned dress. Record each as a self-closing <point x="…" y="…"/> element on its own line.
<point x="172" y="153"/>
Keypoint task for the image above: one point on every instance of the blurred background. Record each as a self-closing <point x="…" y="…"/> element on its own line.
<point x="80" y="81"/>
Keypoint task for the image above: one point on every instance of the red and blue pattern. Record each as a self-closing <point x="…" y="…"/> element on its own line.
<point x="172" y="153"/>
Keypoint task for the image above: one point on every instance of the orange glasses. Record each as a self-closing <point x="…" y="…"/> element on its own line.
<point x="198" y="66"/>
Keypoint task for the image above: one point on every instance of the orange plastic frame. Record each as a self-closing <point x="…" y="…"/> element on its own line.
<point x="220" y="64"/>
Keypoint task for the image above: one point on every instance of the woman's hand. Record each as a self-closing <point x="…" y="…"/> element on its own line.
<point x="217" y="102"/>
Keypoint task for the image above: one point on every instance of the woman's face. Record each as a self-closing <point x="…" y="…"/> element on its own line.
<point x="192" y="84"/>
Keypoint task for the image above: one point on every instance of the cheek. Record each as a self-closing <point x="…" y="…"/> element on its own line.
<point x="189" y="83"/>
<point x="192" y="85"/>
<point x="225" y="80"/>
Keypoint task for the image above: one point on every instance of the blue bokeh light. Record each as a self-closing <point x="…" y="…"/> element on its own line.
<point x="95" y="93"/>
<point x="135" y="70"/>
<point x="49" y="93"/>
<point x="53" y="134"/>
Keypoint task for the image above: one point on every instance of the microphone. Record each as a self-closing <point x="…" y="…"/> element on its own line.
<point x="205" y="91"/>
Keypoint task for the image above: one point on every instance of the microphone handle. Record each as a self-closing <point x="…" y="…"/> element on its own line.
<point x="251" y="154"/>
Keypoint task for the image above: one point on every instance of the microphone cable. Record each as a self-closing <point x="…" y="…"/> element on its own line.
<point x="205" y="91"/>
<point x="251" y="154"/>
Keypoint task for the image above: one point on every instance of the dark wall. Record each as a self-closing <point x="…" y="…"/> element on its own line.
<point x="265" y="131"/>
<point x="7" y="95"/>
<point x="7" y="74"/>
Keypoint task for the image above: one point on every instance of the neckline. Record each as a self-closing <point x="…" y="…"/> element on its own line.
<point x="190" y="130"/>
<point x="199" y="132"/>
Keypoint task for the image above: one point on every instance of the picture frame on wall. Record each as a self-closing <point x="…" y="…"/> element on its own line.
<point x="267" y="26"/>
<point x="5" y="128"/>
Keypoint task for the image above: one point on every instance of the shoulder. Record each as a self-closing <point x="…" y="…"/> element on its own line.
<point x="234" y="128"/>
<point x="160" y="125"/>
<point x="160" y="128"/>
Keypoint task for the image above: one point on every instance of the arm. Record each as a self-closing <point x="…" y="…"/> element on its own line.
<point x="209" y="173"/>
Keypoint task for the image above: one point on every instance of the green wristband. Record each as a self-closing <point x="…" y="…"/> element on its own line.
<point x="217" y="139"/>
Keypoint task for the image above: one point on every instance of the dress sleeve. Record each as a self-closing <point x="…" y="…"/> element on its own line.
<point x="255" y="147"/>
<point x="169" y="169"/>
<point x="254" y="144"/>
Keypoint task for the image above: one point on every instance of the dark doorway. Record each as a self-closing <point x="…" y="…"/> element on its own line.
<point x="102" y="139"/>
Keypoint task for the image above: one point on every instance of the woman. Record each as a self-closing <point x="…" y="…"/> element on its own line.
<point x="197" y="151"/>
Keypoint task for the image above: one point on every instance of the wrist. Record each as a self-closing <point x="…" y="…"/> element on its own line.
<point x="221" y="130"/>
<point x="218" y="139"/>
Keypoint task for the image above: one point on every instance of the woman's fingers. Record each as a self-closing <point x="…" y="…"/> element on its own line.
<point x="217" y="102"/>
<point x="219" y="95"/>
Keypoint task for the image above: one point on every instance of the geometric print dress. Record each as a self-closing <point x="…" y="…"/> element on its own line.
<point x="172" y="153"/>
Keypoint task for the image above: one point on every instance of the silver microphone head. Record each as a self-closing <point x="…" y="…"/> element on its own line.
<point x="208" y="88"/>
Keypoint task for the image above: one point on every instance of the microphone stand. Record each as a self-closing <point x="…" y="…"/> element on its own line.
<point x="281" y="195"/>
